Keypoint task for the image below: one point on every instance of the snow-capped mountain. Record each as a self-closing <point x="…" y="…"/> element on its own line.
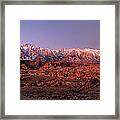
<point x="30" y="52"/>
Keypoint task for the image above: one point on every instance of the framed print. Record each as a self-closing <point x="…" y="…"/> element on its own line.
<point x="59" y="59"/>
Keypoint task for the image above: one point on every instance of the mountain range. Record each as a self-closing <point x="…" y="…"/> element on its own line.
<point x="82" y="55"/>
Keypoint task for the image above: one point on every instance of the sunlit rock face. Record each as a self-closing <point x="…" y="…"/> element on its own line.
<point x="76" y="55"/>
<point x="59" y="74"/>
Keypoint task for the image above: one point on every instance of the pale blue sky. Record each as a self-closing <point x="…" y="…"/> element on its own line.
<point x="61" y="33"/>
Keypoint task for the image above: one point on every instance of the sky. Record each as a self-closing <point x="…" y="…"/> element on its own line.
<point x="61" y="33"/>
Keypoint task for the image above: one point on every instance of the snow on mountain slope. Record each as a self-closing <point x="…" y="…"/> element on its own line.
<point x="30" y="52"/>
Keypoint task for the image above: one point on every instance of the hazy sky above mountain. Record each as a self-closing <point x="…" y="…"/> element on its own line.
<point x="61" y="33"/>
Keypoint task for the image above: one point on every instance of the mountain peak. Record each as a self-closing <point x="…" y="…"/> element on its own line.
<point x="86" y="55"/>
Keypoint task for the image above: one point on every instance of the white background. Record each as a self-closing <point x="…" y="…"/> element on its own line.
<point x="13" y="15"/>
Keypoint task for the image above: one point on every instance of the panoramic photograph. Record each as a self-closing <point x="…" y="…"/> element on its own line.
<point x="59" y="59"/>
